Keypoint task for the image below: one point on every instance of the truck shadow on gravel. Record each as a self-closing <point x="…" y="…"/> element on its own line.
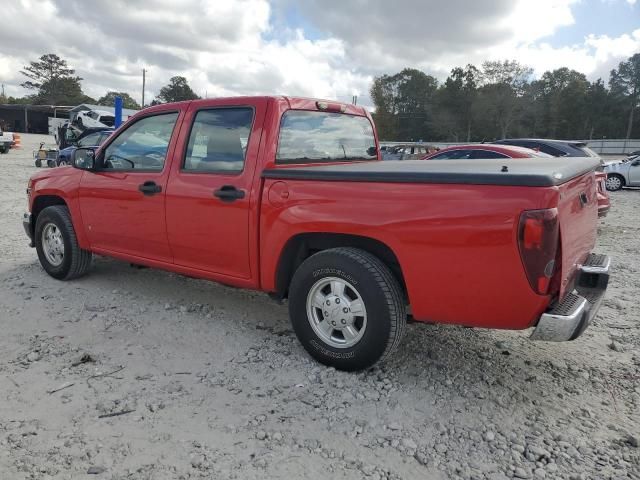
<point x="468" y="363"/>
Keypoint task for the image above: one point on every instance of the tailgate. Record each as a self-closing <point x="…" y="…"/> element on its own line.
<point x="578" y="214"/>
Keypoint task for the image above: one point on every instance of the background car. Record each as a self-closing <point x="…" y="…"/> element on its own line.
<point x="625" y="173"/>
<point x="95" y="118"/>
<point x="405" y="152"/>
<point x="94" y="139"/>
<point x="478" y="151"/>
<point x="555" y="148"/>
<point x="461" y="152"/>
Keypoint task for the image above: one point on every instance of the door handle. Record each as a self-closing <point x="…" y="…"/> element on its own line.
<point x="150" y="188"/>
<point x="229" y="193"/>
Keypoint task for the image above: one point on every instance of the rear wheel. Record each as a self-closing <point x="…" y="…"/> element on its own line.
<point x="614" y="182"/>
<point x="347" y="308"/>
<point x="57" y="245"/>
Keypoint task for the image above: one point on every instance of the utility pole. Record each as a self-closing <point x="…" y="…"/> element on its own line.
<point x="354" y="99"/>
<point x="144" y="72"/>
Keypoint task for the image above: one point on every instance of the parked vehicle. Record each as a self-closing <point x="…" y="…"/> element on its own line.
<point x="406" y="152"/>
<point x="475" y="151"/>
<point x="69" y="134"/>
<point x="6" y="139"/>
<point x="287" y="196"/>
<point x="625" y="173"/>
<point x="93" y="139"/>
<point x="555" y="148"/>
<point x="95" y="118"/>
<point x="567" y="148"/>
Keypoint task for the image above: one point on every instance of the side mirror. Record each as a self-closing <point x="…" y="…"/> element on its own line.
<point x="372" y="151"/>
<point x="84" y="158"/>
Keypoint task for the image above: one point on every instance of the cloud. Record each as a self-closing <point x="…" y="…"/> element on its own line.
<point x="321" y="48"/>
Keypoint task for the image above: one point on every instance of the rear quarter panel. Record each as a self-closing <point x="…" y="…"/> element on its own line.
<point x="456" y="244"/>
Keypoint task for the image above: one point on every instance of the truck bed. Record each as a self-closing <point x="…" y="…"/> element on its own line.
<point x="536" y="172"/>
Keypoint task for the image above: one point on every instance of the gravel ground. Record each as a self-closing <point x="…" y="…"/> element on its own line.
<point x="143" y="374"/>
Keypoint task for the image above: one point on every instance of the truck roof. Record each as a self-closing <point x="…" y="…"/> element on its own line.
<point x="295" y="103"/>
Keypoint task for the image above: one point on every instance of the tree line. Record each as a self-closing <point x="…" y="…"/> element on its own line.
<point x="53" y="82"/>
<point x="501" y="99"/>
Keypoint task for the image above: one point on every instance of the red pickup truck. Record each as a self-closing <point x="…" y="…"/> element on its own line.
<point x="288" y="196"/>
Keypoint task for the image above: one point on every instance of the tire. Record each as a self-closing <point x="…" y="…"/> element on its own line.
<point x="38" y="163"/>
<point x="74" y="261"/>
<point x="51" y="163"/>
<point x="614" y="182"/>
<point x="379" y="330"/>
<point x="62" y="162"/>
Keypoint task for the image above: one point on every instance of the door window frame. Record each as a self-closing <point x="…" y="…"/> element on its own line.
<point x="103" y="148"/>
<point x="227" y="173"/>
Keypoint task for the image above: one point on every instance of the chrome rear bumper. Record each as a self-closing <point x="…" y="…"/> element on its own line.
<point x="569" y="318"/>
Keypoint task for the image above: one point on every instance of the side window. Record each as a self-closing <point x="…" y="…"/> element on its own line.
<point x="453" y="155"/>
<point x="218" y="140"/>
<point x="142" y="146"/>
<point x="486" y="154"/>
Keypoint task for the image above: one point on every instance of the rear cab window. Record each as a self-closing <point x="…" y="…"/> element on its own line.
<point x="323" y="137"/>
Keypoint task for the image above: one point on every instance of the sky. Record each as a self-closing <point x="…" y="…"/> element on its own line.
<point x="318" y="48"/>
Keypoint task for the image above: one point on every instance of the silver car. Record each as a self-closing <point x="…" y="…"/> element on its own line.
<point x="625" y="173"/>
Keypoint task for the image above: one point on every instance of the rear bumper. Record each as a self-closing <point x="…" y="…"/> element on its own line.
<point x="27" y="223"/>
<point x="569" y="318"/>
<point x="603" y="210"/>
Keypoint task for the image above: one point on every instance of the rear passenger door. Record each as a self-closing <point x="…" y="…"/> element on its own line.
<point x="209" y="193"/>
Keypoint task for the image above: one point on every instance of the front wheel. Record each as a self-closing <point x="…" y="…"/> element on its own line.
<point x="347" y="308"/>
<point x="57" y="245"/>
<point x="614" y="182"/>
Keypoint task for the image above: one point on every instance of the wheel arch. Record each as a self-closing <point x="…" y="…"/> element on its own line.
<point x="43" y="201"/>
<point x="300" y="247"/>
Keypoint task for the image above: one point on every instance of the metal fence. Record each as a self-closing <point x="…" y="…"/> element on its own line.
<point x="602" y="147"/>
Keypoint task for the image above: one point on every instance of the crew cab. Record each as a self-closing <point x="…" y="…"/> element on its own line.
<point x="289" y="196"/>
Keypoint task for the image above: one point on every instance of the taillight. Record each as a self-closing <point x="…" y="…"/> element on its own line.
<point x="538" y="234"/>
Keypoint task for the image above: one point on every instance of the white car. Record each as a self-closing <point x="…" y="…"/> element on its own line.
<point x="625" y="173"/>
<point x="95" y="118"/>
<point x="6" y="139"/>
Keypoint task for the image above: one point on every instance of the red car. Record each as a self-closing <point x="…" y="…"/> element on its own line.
<point x="511" y="151"/>
<point x="288" y="196"/>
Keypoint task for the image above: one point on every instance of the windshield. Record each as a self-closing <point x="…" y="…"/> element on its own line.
<point x="308" y="137"/>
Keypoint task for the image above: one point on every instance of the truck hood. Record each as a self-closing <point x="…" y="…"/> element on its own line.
<point x="58" y="172"/>
<point x="535" y="172"/>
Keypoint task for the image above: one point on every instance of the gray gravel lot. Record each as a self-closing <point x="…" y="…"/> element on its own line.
<point x="157" y="376"/>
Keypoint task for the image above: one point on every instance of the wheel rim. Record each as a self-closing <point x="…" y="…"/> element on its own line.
<point x="613" y="183"/>
<point x="63" y="163"/>
<point x="52" y="244"/>
<point x="336" y="312"/>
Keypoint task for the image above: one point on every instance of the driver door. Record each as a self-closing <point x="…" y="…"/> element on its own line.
<point x="123" y="201"/>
